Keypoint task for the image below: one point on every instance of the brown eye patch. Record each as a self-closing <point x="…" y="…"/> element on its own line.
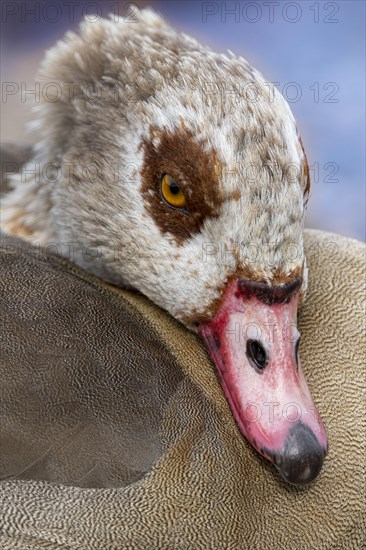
<point x="186" y="160"/>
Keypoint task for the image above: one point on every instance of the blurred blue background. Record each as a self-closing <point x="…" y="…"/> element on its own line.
<point x="315" y="51"/>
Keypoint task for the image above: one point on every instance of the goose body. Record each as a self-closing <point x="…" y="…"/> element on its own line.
<point x="149" y="175"/>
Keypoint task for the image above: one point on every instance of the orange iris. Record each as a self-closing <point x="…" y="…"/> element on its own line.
<point x="172" y="192"/>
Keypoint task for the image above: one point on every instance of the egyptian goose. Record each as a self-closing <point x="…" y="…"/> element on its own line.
<point x="165" y="167"/>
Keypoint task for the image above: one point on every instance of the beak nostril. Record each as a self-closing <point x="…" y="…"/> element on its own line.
<point x="297" y="351"/>
<point x="256" y="354"/>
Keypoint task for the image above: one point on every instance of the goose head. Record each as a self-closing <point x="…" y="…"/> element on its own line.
<point x="182" y="175"/>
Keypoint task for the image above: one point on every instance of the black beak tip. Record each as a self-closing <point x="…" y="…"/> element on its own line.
<point x="302" y="458"/>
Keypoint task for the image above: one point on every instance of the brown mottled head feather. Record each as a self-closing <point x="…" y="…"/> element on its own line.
<point x="146" y="100"/>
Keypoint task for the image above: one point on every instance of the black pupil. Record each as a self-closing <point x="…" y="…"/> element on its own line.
<point x="256" y="354"/>
<point x="174" y="188"/>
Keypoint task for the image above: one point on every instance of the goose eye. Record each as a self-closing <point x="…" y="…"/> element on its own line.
<point x="172" y="192"/>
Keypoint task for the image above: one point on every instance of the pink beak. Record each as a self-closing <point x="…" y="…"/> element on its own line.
<point x="253" y="341"/>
